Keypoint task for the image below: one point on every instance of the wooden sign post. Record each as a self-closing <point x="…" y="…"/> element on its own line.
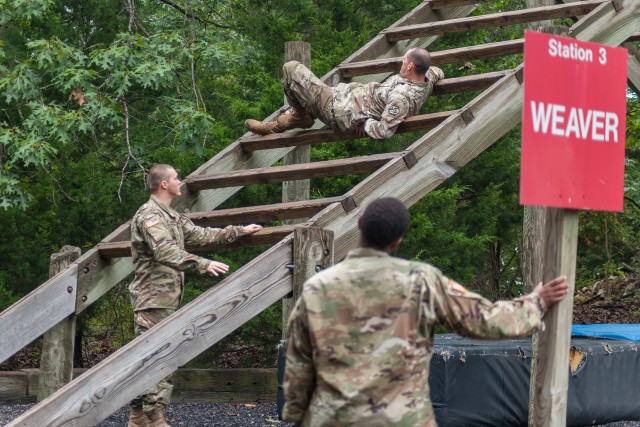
<point x="573" y="133"/>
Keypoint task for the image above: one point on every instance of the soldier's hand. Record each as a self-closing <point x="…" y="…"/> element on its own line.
<point x="252" y="228"/>
<point x="435" y="73"/>
<point x="216" y="268"/>
<point x="554" y="291"/>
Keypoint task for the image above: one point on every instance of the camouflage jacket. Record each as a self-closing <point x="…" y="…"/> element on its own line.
<point x="158" y="238"/>
<point x="360" y="339"/>
<point x="380" y="106"/>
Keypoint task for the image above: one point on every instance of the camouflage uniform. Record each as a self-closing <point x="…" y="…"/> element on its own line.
<point x="360" y="339"/>
<point x="158" y="238"/>
<point x="381" y="107"/>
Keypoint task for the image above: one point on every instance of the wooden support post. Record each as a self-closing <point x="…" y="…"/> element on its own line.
<point x="552" y="368"/>
<point x="293" y="191"/>
<point x="56" y="363"/>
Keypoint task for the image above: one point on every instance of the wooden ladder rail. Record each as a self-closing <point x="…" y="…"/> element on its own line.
<point x="449" y="56"/>
<point x="493" y="20"/>
<point x="91" y="276"/>
<point x="263" y="281"/>
<point x="293" y="172"/>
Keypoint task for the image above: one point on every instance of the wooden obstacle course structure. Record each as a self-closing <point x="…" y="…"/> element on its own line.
<point x="460" y="137"/>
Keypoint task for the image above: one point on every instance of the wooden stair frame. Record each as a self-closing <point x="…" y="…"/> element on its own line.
<point x="206" y="320"/>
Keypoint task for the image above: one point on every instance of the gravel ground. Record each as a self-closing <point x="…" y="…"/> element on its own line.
<point x="210" y="414"/>
<point x="186" y="415"/>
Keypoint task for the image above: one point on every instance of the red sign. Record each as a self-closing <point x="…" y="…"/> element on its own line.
<point x="573" y="125"/>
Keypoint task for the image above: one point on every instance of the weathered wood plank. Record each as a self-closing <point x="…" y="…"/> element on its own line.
<point x="266" y="236"/>
<point x="96" y="394"/>
<point x="493" y="20"/>
<point x="58" y="343"/>
<point x="469" y="53"/>
<point x="552" y="373"/>
<point x="303" y="137"/>
<point x="633" y="37"/>
<point x="260" y="214"/>
<point x="290" y="172"/>
<point x="467" y="83"/>
<point x="36" y="312"/>
<point x="312" y="252"/>
<point x="189" y="385"/>
<point x="633" y="68"/>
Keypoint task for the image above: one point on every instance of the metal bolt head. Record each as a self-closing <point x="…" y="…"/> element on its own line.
<point x="69" y="289"/>
<point x="84" y="298"/>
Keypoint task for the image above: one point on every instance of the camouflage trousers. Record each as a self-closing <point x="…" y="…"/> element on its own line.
<point x="160" y="394"/>
<point x="304" y="90"/>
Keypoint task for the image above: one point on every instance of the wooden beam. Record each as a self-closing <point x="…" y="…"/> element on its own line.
<point x="290" y="172"/>
<point x="56" y="360"/>
<point x="633" y="37"/>
<point x="38" y="311"/>
<point x="266" y="236"/>
<point x="302" y="137"/>
<point x="147" y="359"/>
<point x="467" y="83"/>
<point x="552" y="382"/>
<point x="261" y="214"/>
<point x="493" y="20"/>
<point x="487" y="50"/>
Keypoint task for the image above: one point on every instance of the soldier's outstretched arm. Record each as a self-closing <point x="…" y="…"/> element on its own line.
<point x="470" y="314"/>
<point x="554" y="291"/>
<point x="195" y="235"/>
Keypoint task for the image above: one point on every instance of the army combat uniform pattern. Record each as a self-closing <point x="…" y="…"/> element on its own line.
<point x="381" y="107"/>
<point x="360" y="339"/>
<point x="158" y="238"/>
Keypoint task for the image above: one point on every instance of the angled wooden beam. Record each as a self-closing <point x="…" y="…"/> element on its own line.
<point x="633" y="65"/>
<point x="266" y="236"/>
<point x="493" y="20"/>
<point x="487" y="50"/>
<point x="262" y="213"/>
<point x="291" y="172"/>
<point x="304" y="137"/>
<point x="143" y="362"/>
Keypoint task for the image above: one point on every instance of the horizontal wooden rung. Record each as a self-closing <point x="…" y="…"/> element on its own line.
<point x="290" y="172"/>
<point x="441" y="4"/>
<point x="387" y="65"/>
<point x="492" y="20"/>
<point x="467" y="83"/>
<point x="307" y="137"/>
<point x="266" y="236"/>
<point x="263" y="213"/>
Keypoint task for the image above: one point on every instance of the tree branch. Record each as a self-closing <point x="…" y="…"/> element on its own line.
<point x="192" y="16"/>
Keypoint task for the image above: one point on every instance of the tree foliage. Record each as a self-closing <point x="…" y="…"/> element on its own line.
<point x="92" y="92"/>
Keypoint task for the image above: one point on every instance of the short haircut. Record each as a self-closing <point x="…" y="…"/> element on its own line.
<point x="421" y="59"/>
<point x="383" y="222"/>
<point x="156" y="175"/>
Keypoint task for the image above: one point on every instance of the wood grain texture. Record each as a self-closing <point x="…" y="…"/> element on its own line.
<point x="552" y="373"/>
<point x="281" y="173"/>
<point x="56" y="361"/>
<point x="96" y="394"/>
<point x="36" y="312"/>
<point x="492" y="20"/>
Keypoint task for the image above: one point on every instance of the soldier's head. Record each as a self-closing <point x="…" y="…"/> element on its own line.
<point x="383" y="224"/>
<point x="415" y="64"/>
<point x="163" y="179"/>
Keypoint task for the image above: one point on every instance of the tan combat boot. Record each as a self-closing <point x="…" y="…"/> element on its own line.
<point x="156" y="418"/>
<point x="262" y="128"/>
<point x="290" y="119"/>
<point x="137" y="417"/>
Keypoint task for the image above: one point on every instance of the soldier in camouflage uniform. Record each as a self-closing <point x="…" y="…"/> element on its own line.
<point x="360" y="338"/>
<point x="158" y="238"/>
<point x="373" y="109"/>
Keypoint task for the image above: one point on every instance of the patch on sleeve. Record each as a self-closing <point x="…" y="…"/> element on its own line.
<point x="394" y="110"/>
<point x="154" y="220"/>
<point x="457" y="287"/>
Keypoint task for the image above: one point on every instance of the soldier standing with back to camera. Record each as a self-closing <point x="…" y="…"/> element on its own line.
<point x="158" y="238"/>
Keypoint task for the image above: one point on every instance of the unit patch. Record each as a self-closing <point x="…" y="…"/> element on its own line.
<point x="394" y="110"/>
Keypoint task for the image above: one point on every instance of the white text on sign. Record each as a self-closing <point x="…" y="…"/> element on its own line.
<point x="574" y="51"/>
<point x="578" y="123"/>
